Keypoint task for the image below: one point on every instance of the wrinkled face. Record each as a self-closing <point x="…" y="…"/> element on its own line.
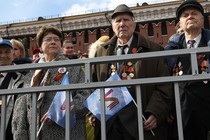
<point x="17" y="52"/>
<point x="68" y="48"/>
<point x="191" y="19"/>
<point x="123" y="26"/>
<point x="51" y="44"/>
<point x="6" y="55"/>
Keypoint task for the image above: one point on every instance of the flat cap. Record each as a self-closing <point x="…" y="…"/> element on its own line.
<point x="187" y="4"/>
<point x="122" y="9"/>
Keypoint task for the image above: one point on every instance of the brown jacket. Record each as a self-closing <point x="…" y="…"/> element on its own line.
<point x="156" y="99"/>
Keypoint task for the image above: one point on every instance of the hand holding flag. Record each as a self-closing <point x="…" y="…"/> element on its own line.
<point x="115" y="99"/>
<point x="57" y="110"/>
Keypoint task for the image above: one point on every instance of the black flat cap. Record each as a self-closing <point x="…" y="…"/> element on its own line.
<point x="122" y="9"/>
<point x="187" y="4"/>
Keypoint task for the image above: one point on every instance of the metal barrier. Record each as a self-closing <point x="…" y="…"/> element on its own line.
<point x="102" y="85"/>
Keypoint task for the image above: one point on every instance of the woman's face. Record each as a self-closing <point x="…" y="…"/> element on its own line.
<point x="51" y="44"/>
<point x="17" y="52"/>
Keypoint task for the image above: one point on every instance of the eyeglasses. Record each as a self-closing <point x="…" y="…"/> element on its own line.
<point x="49" y="39"/>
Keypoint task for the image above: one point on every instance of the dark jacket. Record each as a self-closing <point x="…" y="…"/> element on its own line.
<point x="195" y="98"/>
<point x="176" y="42"/>
<point x="156" y="99"/>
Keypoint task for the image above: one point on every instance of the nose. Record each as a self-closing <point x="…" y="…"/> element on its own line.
<point x="122" y="22"/>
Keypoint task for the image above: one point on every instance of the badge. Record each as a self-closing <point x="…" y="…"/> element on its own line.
<point x="205" y="82"/>
<point x="60" y="73"/>
<point x="124" y="76"/>
<point x="130" y="63"/>
<point x="180" y="72"/>
<point x="131" y="75"/>
<point x="62" y="70"/>
<point x="134" y="50"/>
<point x="113" y="68"/>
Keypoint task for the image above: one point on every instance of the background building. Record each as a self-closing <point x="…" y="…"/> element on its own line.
<point x="155" y="21"/>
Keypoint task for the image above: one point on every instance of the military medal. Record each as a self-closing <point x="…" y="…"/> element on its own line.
<point x="134" y="50"/>
<point x="113" y="69"/>
<point x="203" y="65"/>
<point x="124" y="76"/>
<point x="204" y="69"/>
<point x="178" y="70"/>
<point x="131" y="75"/>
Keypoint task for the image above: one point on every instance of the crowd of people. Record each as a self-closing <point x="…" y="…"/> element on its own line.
<point x="158" y="109"/>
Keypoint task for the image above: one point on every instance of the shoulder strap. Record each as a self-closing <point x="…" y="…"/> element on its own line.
<point x="7" y="79"/>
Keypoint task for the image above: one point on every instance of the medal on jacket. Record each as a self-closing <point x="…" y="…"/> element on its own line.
<point x="60" y="73"/>
<point x="203" y="65"/>
<point x="127" y="71"/>
<point x="113" y="69"/>
<point x="178" y="69"/>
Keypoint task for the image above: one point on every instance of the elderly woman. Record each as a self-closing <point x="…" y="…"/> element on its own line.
<point x="50" y="41"/>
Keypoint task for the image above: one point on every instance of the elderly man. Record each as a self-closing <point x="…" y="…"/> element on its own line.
<point x="9" y="80"/>
<point x="156" y="99"/>
<point x="195" y="97"/>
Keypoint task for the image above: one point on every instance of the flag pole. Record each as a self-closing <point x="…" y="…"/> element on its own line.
<point x="40" y="128"/>
<point x="144" y="119"/>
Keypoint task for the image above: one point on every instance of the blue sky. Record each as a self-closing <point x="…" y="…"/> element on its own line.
<point x="20" y="10"/>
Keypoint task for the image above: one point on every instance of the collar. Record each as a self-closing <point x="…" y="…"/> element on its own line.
<point x="197" y="40"/>
<point x="4" y="74"/>
<point x="128" y="43"/>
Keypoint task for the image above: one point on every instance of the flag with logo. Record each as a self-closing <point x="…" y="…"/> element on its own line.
<point x="57" y="110"/>
<point x="115" y="99"/>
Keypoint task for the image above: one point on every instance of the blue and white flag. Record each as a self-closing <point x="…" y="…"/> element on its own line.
<point x="57" y="110"/>
<point x="115" y="99"/>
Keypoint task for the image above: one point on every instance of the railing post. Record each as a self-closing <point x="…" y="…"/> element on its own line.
<point x="68" y="125"/>
<point x="34" y="116"/>
<point x="3" y="117"/>
<point x="103" y="119"/>
<point x="139" y="112"/>
<point x="178" y="111"/>
<point x="194" y="63"/>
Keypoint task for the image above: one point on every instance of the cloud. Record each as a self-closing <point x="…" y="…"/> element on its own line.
<point x="96" y="6"/>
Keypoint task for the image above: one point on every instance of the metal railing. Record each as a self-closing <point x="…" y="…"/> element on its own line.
<point x="88" y="84"/>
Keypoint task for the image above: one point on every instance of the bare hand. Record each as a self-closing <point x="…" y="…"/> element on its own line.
<point x="46" y="120"/>
<point x="92" y="120"/>
<point x="170" y="119"/>
<point x="150" y="123"/>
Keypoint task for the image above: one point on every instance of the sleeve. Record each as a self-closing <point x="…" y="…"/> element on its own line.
<point x="20" y="128"/>
<point x="160" y="103"/>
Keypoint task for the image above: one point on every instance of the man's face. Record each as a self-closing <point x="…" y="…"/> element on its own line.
<point x="191" y="19"/>
<point x="6" y="55"/>
<point x="123" y="26"/>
